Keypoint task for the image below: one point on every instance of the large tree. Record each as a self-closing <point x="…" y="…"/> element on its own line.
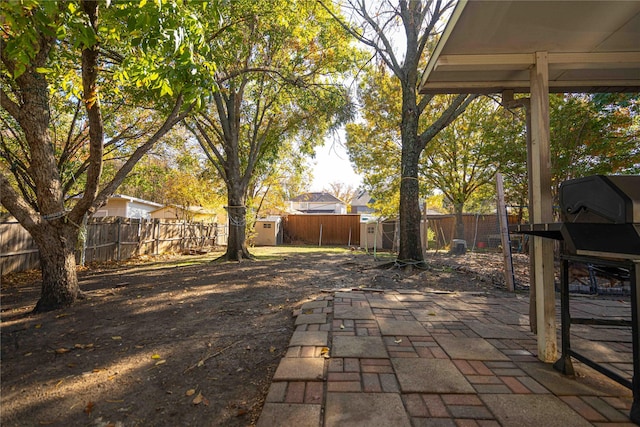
<point x="465" y="156"/>
<point x="280" y="81"/>
<point x="71" y="76"/>
<point x="382" y="26"/>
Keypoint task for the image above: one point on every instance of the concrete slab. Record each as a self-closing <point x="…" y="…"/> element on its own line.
<point x="308" y="319"/>
<point x="364" y="410"/>
<point x="430" y="376"/>
<point x="532" y="410"/>
<point x="287" y="414"/>
<point x="364" y="347"/>
<point x="316" y="338"/>
<point x="314" y="304"/>
<point x="433" y="315"/>
<point x="556" y="382"/>
<point x="402" y="327"/>
<point x="451" y="302"/>
<point x="602" y="352"/>
<point x="487" y="330"/>
<point x="304" y="368"/>
<point x="433" y="422"/>
<point x="351" y="295"/>
<point x="469" y="348"/>
<point x="511" y="317"/>
<point x="611" y="334"/>
<point x="392" y="304"/>
<point x="342" y="311"/>
<point x="411" y="297"/>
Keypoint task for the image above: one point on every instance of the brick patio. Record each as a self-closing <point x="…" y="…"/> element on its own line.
<point x="369" y="358"/>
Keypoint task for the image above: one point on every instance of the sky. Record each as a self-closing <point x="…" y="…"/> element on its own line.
<point x="332" y="165"/>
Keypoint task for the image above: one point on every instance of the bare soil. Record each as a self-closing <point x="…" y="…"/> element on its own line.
<point x="183" y="340"/>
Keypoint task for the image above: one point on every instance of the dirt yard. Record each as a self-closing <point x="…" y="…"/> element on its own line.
<point x="183" y="340"/>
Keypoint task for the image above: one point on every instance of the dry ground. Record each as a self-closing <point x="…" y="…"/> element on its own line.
<point x="183" y="340"/>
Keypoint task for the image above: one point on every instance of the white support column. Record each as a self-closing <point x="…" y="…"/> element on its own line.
<point x="540" y="203"/>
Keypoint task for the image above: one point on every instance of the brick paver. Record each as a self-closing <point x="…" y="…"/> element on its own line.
<point x="398" y="346"/>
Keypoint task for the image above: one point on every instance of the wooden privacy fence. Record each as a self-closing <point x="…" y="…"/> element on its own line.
<point x="114" y="239"/>
<point x="322" y="229"/>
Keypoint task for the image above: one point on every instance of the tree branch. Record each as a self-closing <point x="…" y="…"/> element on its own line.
<point x="456" y="108"/>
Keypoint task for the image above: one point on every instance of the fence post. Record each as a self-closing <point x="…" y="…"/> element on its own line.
<point x="320" y="240"/>
<point x="118" y="220"/>
<point x="156" y="236"/>
<point x="84" y="235"/>
<point x="504" y="235"/>
<point x="183" y="236"/>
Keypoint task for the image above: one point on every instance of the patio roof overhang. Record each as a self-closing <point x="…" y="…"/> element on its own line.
<point x="490" y="46"/>
<point x="538" y="47"/>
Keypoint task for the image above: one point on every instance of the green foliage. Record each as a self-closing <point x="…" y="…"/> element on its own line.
<point x="465" y="156"/>
<point x="589" y="134"/>
<point x="279" y="82"/>
<point x="588" y="137"/>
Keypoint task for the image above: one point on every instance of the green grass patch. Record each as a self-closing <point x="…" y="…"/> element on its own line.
<point x="283" y="251"/>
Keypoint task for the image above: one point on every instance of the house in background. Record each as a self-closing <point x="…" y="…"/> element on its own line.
<point x="127" y="207"/>
<point x="318" y="203"/>
<point x="186" y="213"/>
<point x="361" y="203"/>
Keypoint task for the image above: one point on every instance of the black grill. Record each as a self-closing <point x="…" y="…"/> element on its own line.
<point x="600" y="217"/>
<point x="600" y="226"/>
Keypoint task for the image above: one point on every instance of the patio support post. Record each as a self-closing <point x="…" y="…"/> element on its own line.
<point x="540" y="202"/>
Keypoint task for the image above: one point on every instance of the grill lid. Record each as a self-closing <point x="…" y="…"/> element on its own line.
<point x="598" y="198"/>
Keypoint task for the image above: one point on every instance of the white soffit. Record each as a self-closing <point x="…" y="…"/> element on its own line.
<point x="489" y="46"/>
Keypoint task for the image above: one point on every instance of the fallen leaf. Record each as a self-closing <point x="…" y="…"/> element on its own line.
<point x="89" y="408"/>
<point x="62" y="315"/>
<point x="160" y="362"/>
<point x="190" y="392"/>
<point x="198" y="399"/>
<point x="324" y="352"/>
<point x="38" y="326"/>
<point x="80" y="346"/>
<point x="155" y="356"/>
<point x="28" y="354"/>
<point x="272" y="349"/>
<point x="398" y="341"/>
<point x="62" y="350"/>
<point x="341" y="326"/>
<point x="116" y="338"/>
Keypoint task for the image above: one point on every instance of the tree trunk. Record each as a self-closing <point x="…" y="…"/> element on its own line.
<point x="410" y="244"/>
<point x="459" y="223"/>
<point x="58" y="264"/>
<point x="237" y="212"/>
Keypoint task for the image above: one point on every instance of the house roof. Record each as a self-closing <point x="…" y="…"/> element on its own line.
<point x="192" y="209"/>
<point x="490" y="46"/>
<point x="363" y="198"/>
<point x="321" y="197"/>
<point x="134" y="199"/>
